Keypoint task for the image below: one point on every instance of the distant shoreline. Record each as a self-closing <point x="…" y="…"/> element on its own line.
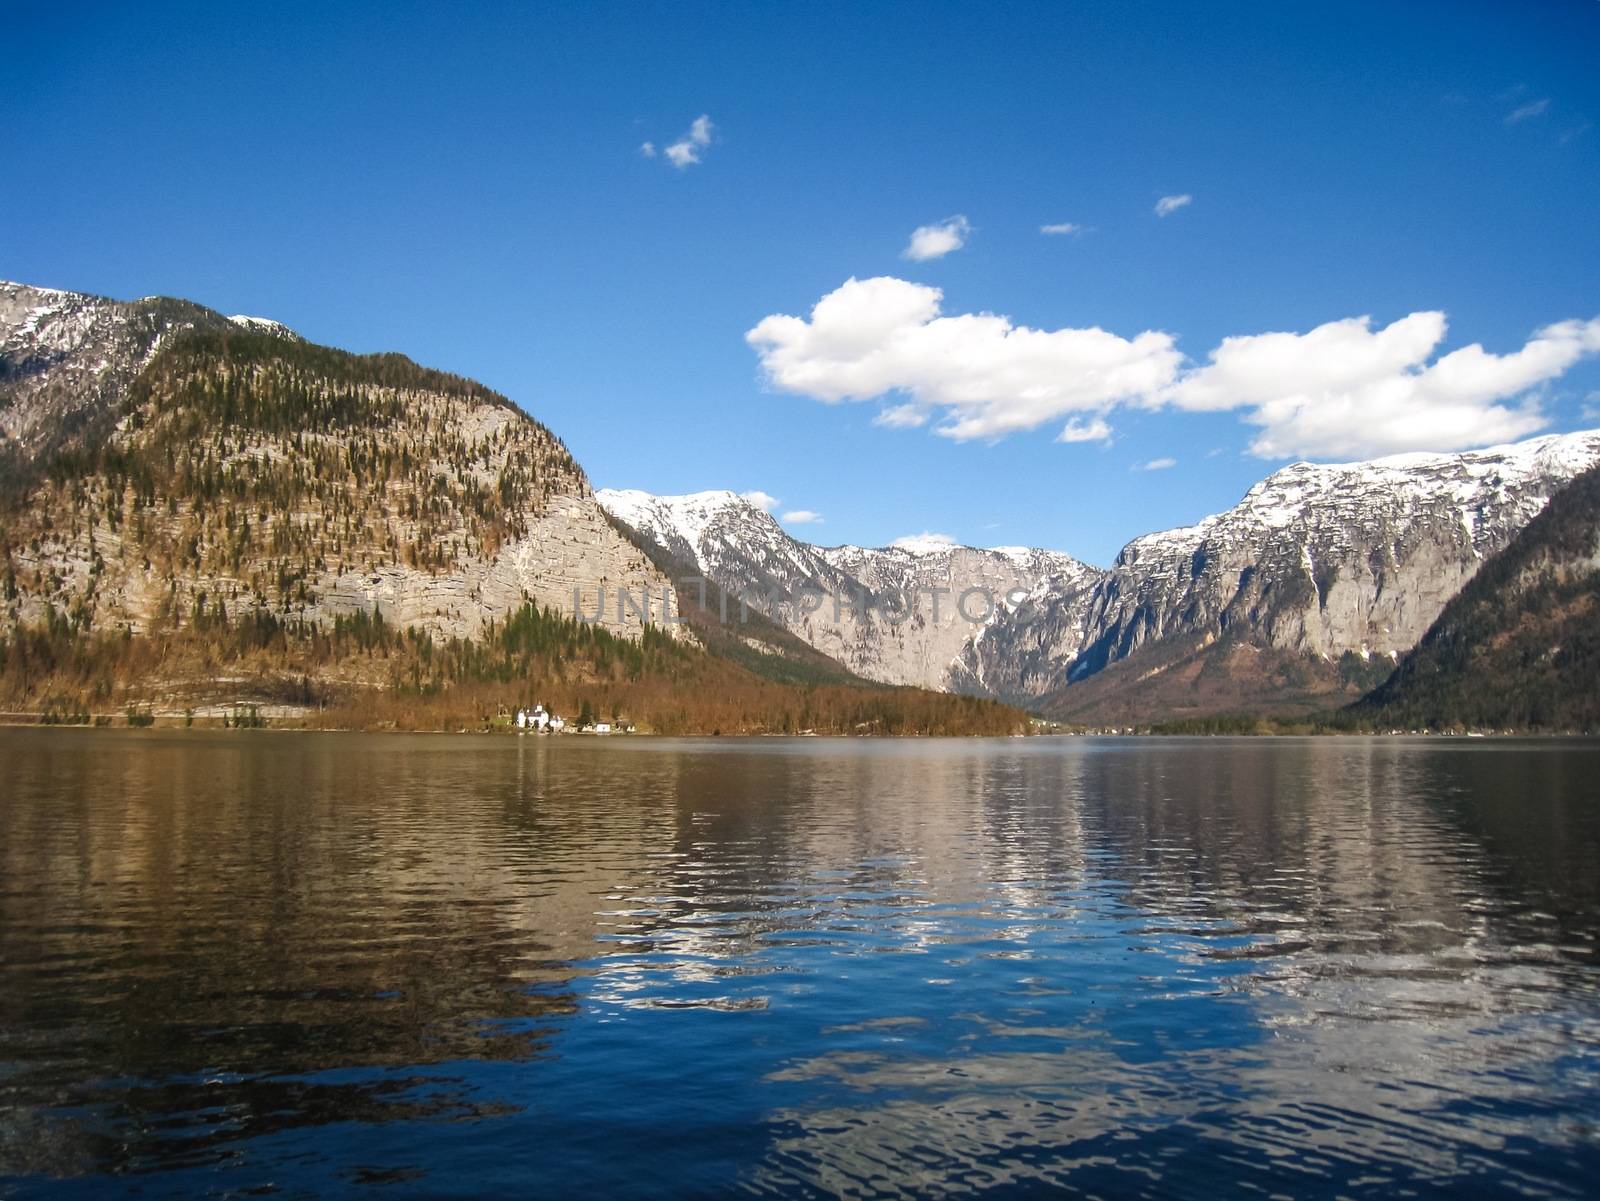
<point x="117" y="723"/>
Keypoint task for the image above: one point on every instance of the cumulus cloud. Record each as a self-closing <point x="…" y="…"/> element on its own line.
<point x="1061" y="228"/>
<point x="1342" y="390"/>
<point x="1158" y="464"/>
<point x="687" y="150"/>
<point x="1345" y="389"/>
<point x="802" y="517"/>
<point x="1524" y="112"/>
<point x="1168" y="205"/>
<point x="937" y="240"/>
<point x="764" y="501"/>
<point x="648" y="149"/>
<point x="984" y="375"/>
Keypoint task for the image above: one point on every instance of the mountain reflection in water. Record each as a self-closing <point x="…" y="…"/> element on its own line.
<point x="485" y="966"/>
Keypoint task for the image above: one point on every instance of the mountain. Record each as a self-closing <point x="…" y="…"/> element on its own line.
<point x="209" y="511"/>
<point x="173" y="458"/>
<point x="1519" y="646"/>
<point x="1302" y="593"/>
<point x="66" y="359"/>
<point x="1290" y="598"/>
<point x="165" y="465"/>
<point x="903" y="614"/>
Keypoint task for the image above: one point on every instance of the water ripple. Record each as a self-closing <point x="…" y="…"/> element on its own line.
<point x="547" y="968"/>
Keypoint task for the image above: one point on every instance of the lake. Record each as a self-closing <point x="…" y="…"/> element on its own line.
<point x="286" y="964"/>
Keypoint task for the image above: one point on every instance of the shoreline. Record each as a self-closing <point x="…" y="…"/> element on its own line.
<point x="118" y="723"/>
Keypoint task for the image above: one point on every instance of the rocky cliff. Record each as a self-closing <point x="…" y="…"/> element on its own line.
<point x="1315" y="565"/>
<point x="903" y="614"/>
<point x="1519" y="646"/>
<point x="1324" y="559"/>
<point x="164" y="460"/>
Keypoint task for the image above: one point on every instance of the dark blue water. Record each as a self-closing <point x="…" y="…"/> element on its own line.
<point x="291" y="965"/>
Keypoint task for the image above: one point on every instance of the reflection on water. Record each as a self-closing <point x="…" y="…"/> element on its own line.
<point x="481" y="967"/>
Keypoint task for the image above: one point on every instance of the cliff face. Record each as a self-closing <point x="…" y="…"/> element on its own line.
<point x="1315" y="564"/>
<point x="904" y="614"/>
<point x="160" y="461"/>
<point x="1519" y="646"/>
<point x="973" y="648"/>
<point x="166" y="460"/>
<point x="67" y="359"/>
<point x="1326" y="559"/>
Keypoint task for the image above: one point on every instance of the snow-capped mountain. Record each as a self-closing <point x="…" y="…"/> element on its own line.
<point x="1331" y="558"/>
<point x="69" y="357"/>
<point x="1316" y="560"/>
<point x="903" y="614"/>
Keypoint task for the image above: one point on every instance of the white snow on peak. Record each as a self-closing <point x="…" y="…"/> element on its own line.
<point x="12" y="286"/>
<point x="1017" y="554"/>
<point x="621" y="500"/>
<point x="263" y="325"/>
<point x="1305" y="497"/>
<point x="687" y="516"/>
<point x="1463" y="478"/>
<point x="925" y="544"/>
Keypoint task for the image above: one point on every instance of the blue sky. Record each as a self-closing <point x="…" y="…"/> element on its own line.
<point x="467" y="186"/>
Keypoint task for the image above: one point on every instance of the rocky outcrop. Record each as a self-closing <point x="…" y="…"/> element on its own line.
<point x="903" y="614"/>
<point x="1315" y="562"/>
<point x="186" y="485"/>
<point x="419" y="496"/>
<point x="1325" y="559"/>
<point x="1519" y="646"/>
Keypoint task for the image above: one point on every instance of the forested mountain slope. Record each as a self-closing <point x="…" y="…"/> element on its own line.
<point x="1519" y="647"/>
<point x="200" y="508"/>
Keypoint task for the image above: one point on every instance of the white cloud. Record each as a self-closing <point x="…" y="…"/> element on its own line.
<point x="937" y="240"/>
<point x="802" y="517"/>
<point x="901" y="417"/>
<point x="1077" y="430"/>
<point x="1341" y="390"/>
<point x="1158" y="464"/>
<point x="687" y="149"/>
<point x="985" y="376"/>
<point x="1061" y="228"/>
<point x="1591" y="406"/>
<point x="648" y="149"/>
<point x="1168" y="205"/>
<point x="1524" y="112"/>
<point x="764" y="501"/>
<point x="1347" y="390"/>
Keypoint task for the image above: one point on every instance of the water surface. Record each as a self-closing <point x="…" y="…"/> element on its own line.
<point x="285" y="964"/>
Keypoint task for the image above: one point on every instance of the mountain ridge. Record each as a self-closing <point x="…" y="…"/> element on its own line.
<point x="1519" y="646"/>
<point x="1315" y="564"/>
<point x="872" y="609"/>
<point x="469" y="508"/>
<point x="213" y="513"/>
<point x="292" y="478"/>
